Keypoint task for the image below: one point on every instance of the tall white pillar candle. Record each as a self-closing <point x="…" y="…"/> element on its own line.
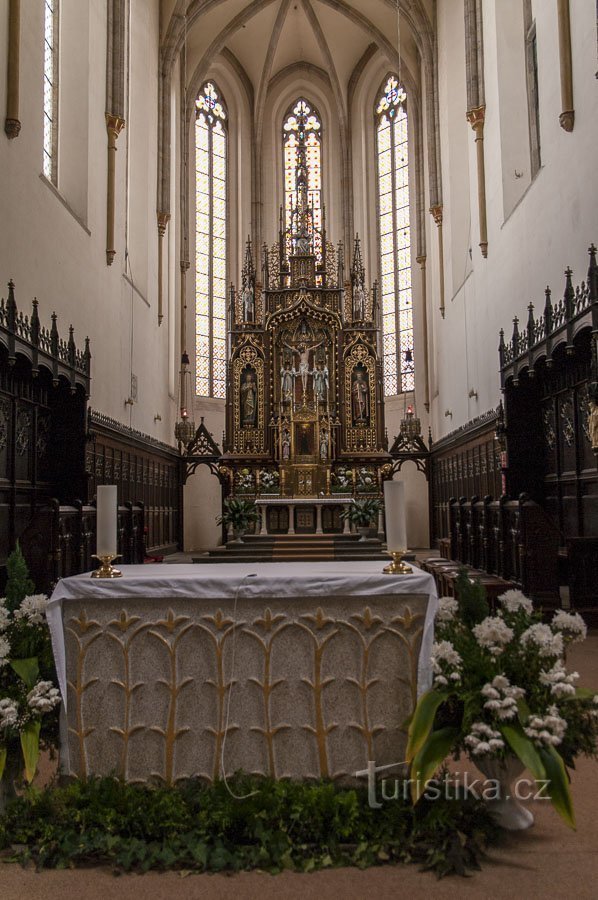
<point x="106" y="520"/>
<point x="396" y="520"/>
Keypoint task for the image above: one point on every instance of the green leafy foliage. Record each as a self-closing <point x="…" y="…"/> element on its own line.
<point x="238" y="513"/>
<point x="277" y="825"/>
<point x="362" y="512"/>
<point x="18" y="584"/>
<point x="471" y="596"/>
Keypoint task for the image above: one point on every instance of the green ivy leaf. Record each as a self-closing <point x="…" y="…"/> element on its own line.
<point x="523" y="748"/>
<point x="560" y="794"/>
<point x="30" y="748"/>
<point x="27" y="670"/>
<point x="423" y="720"/>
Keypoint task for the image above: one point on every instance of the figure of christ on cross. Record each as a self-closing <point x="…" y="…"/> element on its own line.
<point x="303" y="371"/>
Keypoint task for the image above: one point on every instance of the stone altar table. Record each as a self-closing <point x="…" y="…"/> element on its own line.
<point x="282" y="669"/>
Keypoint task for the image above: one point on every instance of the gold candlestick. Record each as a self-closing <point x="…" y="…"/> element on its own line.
<point x="397" y="567"/>
<point x="106" y="569"/>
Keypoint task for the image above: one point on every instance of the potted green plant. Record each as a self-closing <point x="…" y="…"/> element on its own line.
<point x="29" y="698"/>
<point x="239" y="513"/>
<point x="361" y="513"/>
<point x="502" y="695"/>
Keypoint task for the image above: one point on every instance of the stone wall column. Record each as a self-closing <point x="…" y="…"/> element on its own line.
<point x="437" y="216"/>
<point x="163" y="219"/>
<point x="476" y="118"/>
<point x="264" y="528"/>
<point x="422" y="265"/>
<point x="114" y="126"/>
<point x="12" y="123"/>
<point x="319" y="519"/>
<point x="567" y="116"/>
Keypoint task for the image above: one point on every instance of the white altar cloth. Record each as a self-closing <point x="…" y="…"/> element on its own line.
<point x="245" y="580"/>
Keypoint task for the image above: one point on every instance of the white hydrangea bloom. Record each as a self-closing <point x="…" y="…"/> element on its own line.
<point x="4" y="615"/>
<point x="561" y="684"/>
<point x="513" y="601"/>
<point x="547" y="730"/>
<point x="9" y="713"/>
<point x="502" y="698"/>
<point x="493" y="634"/>
<point x="447" y="609"/>
<point x="446" y="663"/>
<point x="4" y="650"/>
<point x="571" y="625"/>
<point x="44" y="697"/>
<point x="484" y="740"/>
<point x="542" y="637"/>
<point x="33" y="608"/>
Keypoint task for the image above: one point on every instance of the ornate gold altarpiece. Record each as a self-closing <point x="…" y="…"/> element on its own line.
<point x="304" y="406"/>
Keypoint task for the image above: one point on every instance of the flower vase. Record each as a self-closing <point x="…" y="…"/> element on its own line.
<point x="13" y="773"/>
<point x="506" y="809"/>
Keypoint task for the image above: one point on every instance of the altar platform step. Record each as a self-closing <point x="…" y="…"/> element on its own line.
<point x="296" y="547"/>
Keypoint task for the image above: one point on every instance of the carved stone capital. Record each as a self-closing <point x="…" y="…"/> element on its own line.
<point x="567" y="119"/>
<point x="12" y="127"/>
<point x="437" y="213"/>
<point x="114" y="126"/>
<point x="476" y="118"/>
<point x="163" y="219"/>
<point x="421" y="260"/>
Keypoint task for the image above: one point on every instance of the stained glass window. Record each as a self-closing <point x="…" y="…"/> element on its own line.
<point x="51" y="90"/>
<point x="210" y="242"/>
<point x="394" y="235"/>
<point x="303" y="111"/>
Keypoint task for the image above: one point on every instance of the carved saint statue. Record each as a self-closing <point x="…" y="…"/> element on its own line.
<point x="248" y="300"/>
<point x="302" y="244"/>
<point x="324" y="444"/>
<point x="358" y="302"/>
<point x="286" y="444"/>
<point x="286" y="381"/>
<point x="360" y="391"/>
<point x="248" y="400"/>
<point x="321" y="383"/>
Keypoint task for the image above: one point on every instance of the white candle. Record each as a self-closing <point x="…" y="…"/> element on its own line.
<point x="106" y="520"/>
<point x="396" y="520"/>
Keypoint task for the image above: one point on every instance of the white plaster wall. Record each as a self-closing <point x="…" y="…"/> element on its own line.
<point x="53" y="242"/>
<point x="549" y="227"/>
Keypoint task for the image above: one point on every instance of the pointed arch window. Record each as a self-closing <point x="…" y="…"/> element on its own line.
<point x="302" y="111"/>
<point x="394" y="237"/>
<point x="210" y="241"/>
<point x="50" y="167"/>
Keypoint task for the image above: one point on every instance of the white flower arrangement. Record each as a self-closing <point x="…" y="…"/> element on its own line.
<point x="501" y="698"/>
<point x="446" y="663"/>
<point x="9" y="713"/>
<point x="560" y="683"/>
<point x="4" y="650"/>
<point x="570" y="625"/>
<point x="447" y="609"/>
<point x="33" y="608"/>
<point x="544" y="640"/>
<point x="547" y="730"/>
<point x="43" y="697"/>
<point x="484" y="740"/>
<point x="514" y="600"/>
<point x="501" y="690"/>
<point x="493" y="634"/>
<point x="269" y="480"/>
<point x="5" y="617"/>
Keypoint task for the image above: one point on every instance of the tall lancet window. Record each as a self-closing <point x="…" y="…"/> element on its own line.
<point x="303" y="117"/>
<point x="394" y="238"/>
<point x="210" y="242"/>
<point x="51" y="90"/>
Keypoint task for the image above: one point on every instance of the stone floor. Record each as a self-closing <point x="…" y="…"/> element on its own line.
<point x="548" y="861"/>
